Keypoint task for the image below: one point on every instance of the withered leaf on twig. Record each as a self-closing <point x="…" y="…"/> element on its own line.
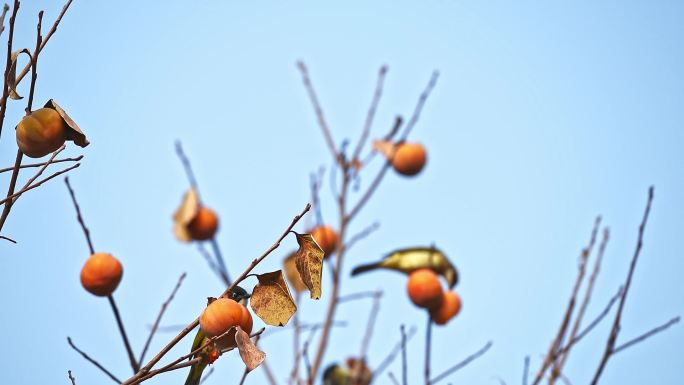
<point x="250" y="354"/>
<point x="12" y="75"/>
<point x="185" y="214"/>
<point x="385" y="147"/>
<point x="271" y="299"/>
<point x="291" y="273"/>
<point x="73" y="131"/>
<point x="309" y="262"/>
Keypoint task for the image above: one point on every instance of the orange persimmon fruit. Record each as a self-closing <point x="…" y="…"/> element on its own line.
<point x="204" y="225"/>
<point x="41" y="132"/>
<point x="409" y="158"/>
<point x="326" y="237"/>
<point x="450" y="307"/>
<point x="424" y="289"/>
<point x="219" y="316"/>
<point x="101" y="274"/>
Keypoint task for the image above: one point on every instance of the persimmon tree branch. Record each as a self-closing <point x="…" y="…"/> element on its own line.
<point x="93" y="361"/>
<point x="615" y="330"/>
<point x="371" y="112"/>
<point x="462" y="364"/>
<point x="145" y="370"/>
<point x="153" y="331"/>
<point x="71" y="377"/>
<point x="8" y="63"/>
<point x="34" y="165"/>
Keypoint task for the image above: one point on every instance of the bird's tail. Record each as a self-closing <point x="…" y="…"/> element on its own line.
<point x="364" y="268"/>
<point x="195" y="374"/>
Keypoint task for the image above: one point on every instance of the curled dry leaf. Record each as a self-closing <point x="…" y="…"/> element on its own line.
<point x="271" y="299"/>
<point x="385" y="147"/>
<point x="250" y="354"/>
<point x="309" y="262"/>
<point x="73" y="131"/>
<point x="184" y="214"/>
<point x="12" y="75"/>
<point x="291" y="273"/>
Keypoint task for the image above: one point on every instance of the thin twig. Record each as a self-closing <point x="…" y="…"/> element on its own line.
<point x="385" y="363"/>
<point x="144" y="370"/>
<point x="360" y="295"/>
<point x="223" y="270"/>
<point x="5" y="8"/>
<point x="8" y="239"/>
<point x="39" y="183"/>
<point x="319" y="111"/>
<point x="557" y="342"/>
<point x="153" y="331"/>
<point x="122" y="331"/>
<point x="419" y="106"/>
<point x="404" y="362"/>
<point x="357" y="370"/>
<point x="362" y="234"/>
<point x="71" y="377"/>
<point x="79" y="217"/>
<point x="41" y="170"/>
<point x="526" y="370"/>
<point x="371" y="112"/>
<point x="206" y="375"/>
<point x="428" y="348"/>
<point x="462" y="364"/>
<point x="92" y="361"/>
<point x="186" y="166"/>
<point x="33" y="165"/>
<point x="615" y="330"/>
<point x="646" y="335"/>
<point x="8" y="65"/>
<point x="393" y="378"/>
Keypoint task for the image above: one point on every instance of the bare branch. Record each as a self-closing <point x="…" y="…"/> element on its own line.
<point x="428" y="348"/>
<point x="33" y="165"/>
<point x="319" y="112"/>
<point x="92" y="361"/>
<point x="122" y="331"/>
<point x="612" y="338"/>
<point x="399" y="347"/>
<point x="371" y="112"/>
<point x="463" y="363"/>
<point x="39" y="183"/>
<point x="153" y="331"/>
<point x="146" y="369"/>
<point x="419" y="106"/>
<point x="79" y="217"/>
<point x="71" y="377"/>
<point x="646" y="335"/>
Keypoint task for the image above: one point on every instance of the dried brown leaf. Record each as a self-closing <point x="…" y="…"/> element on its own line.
<point x="309" y="262"/>
<point x="271" y="299"/>
<point x="12" y="75"/>
<point x="291" y="273"/>
<point x="385" y="147"/>
<point x="250" y="354"/>
<point x="184" y="214"/>
<point x="74" y="132"/>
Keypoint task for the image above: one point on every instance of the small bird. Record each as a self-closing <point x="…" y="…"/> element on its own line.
<point x="414" y="258"/>
<point x="337" y="374"/>
<point x="210" y="353"/>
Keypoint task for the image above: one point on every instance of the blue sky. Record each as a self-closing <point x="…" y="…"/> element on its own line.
<point x="545" y="115"/>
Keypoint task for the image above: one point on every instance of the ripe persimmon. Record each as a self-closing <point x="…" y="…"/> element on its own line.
<point x="246" y="323"/>
<point x="409" y="158"/>
<point x="101" y="274"/>
<point x="41" y="132"/>
<point x="204" y="225"/>
<point x="219" y="316"/>
<point x="424" y="289"/>
<point x="450" y="307"/>
<point x="326" y="237"/>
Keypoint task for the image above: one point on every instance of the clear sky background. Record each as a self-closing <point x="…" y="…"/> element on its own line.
<point x="546" y="115"/>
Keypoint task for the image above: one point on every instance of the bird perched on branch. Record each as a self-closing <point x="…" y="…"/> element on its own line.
<point x="211" y="352"/>
<point x="354" y="373"/>
<point x="414" y="258"/>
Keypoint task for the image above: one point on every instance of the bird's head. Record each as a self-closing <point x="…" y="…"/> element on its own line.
<point x="239" y="295"/>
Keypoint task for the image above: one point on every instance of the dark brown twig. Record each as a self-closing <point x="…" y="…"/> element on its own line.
<point x="8" y="65"/>
<point x="153" y="331"/>
<point x="5" y="8"/>
<point x="71" y="377"/>
<point x="462" y="364"/>
<point x="8" y="239"/>
<point x="39" y="183"/>
<point x="122" y="331"/>
<point x="41" y="170"/>
<point x="32" y="165"/>
<point x="92" y="361"/>
<point x="79" y="217"/>
<point x="615" y="330"/>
